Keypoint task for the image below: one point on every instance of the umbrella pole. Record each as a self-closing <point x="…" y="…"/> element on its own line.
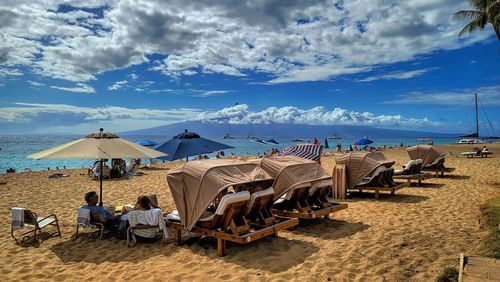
<point x="100" y="185"/>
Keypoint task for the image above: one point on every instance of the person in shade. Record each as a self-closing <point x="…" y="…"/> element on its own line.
<point x="105" y="216"/>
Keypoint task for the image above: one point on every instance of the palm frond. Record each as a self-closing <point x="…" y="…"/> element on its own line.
<point x="470" y="27"/>
<point x="467" y="14"/>
<point x="479" y="4"/>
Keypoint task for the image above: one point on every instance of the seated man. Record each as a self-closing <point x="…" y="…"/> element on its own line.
<point x="104" y="216"/>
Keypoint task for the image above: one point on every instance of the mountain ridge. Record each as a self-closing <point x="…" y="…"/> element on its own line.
<point x="212" y="129"/>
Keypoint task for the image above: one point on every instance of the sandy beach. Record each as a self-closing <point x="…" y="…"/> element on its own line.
<point x="409" y="236"/>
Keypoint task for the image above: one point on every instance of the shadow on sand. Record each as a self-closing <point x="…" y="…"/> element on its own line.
<point x="274" y="254"/>
<point x="386" y="197"/>
<point x="426" y="185"/>
<point x="329" y="229"/>
<point x="96" y="251"/>
<point x="453" y="176"/>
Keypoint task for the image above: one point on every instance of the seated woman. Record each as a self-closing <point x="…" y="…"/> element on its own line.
<point x="143" y="203"/>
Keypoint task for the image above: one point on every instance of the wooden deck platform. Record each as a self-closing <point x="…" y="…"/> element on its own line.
<point x="221" y="236"/>
<point x="416" y="177"/>
<point x="474" y="268"/>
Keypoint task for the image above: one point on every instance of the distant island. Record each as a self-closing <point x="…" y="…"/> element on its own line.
<point x="213" y="129"/>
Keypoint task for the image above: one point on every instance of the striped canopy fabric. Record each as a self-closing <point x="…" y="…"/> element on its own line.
<point x="306" y="151"/>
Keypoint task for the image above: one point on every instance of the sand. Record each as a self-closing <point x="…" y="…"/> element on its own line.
<point x="409" y="236"/>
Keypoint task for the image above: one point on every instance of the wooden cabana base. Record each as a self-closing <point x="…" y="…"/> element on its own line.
<point x="416" y="177"/>
<point x="439" y="171"/>
<point x="313" y="213"/>
<point x="255" y="233"/>
<point x="378" y="189"/>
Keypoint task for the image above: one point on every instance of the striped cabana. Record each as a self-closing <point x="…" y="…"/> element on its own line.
<point x="306" y="151"/>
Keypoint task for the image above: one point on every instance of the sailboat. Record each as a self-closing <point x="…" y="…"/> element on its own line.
<point x="473" y="138"/>
<point x="228" y="135"/>
<point x="334" y="136"/>
<point x="250" y="135"/>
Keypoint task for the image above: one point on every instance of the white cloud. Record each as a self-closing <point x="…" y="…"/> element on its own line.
<point x="213" y="93"/>
<point x="35" y="84"/>
<point x="6" y="72"/>
<point x="79" y="88"/>
<point x="69" y="118"/>
<point x="166" y="90"/>
<point x="488" y="95"/>
<point x="117" y="85"/>
<point x="133" y="76"/>
<point x="398" y="75"/>
<point x="299" y="41"/>
<point x="240" y="114"/>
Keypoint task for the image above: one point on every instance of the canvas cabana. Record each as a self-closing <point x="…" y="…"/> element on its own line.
<point x="368" y="171"/>
<point x="196" y="184"/>
<point x="432" y="158"/>
<point x="301" y="182"/>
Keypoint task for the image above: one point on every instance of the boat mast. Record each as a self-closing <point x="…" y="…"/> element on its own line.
<point x="477" y="123"/>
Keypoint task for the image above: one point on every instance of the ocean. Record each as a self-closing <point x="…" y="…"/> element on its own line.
<point x="15" y="149"/>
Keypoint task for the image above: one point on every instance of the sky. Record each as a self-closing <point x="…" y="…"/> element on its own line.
<point x="74" y="66"/>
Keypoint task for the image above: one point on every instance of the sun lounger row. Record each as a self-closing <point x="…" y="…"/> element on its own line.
<point x="237" y="201"/>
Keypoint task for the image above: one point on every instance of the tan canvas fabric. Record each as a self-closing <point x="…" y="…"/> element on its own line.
<point x="196" y="184"/>
<point x="98" y="148"/>
<point x="361" y="164"/>
<point x="289" y="171"/>
<point x="427" y="153"/>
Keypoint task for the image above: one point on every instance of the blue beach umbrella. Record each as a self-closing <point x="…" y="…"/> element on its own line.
<point x="363" y="141"/>
<point x="147" y="143"/>
<point x="188" y="144"/>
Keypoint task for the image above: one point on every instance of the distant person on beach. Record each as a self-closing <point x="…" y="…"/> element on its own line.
<point x="105" y="216"/>
<point x="350" y="148"/>
<point x="401" y="145"/>
<point x="339" y="147"/>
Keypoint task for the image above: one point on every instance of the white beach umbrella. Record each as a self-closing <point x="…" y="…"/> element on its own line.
<point x="98" y="145"/>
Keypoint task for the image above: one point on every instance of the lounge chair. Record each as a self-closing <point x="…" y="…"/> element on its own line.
<point x="87" y="220"/>
<point x="412" y="171"/>
<point x="412" y="167"/>
<point x="380" y="180"/>
<point x="300" y="203"/>
<point x="319" y="194"/>
<point x="437" y="166"/>
<point x="198" y="183"/>
<point x="147" y="224"/>
<point x="24" y="218"/>
<point x="295" y="199"/>
<point x="259" y="208"/>
<point x="229" y="214"/>
<point x="105" y="172"/>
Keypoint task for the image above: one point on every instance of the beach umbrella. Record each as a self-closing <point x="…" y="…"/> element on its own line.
<point x="326" y="144"/>
<point x="98" y="145"/>
<point x="363" y="141"/>
<point x="147" y="143"/>
<point x="188" y="144"/>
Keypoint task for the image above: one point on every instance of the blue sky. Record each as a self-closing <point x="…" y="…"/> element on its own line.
<point x="126" y="65"/>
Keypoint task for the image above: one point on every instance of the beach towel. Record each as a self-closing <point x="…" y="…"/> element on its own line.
<point x="150" y="217"/>
<point x="83" y="217"/>
<point x="17" y="218"/>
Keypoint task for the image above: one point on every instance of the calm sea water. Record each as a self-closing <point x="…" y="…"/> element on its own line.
<point x="15" y="149"/>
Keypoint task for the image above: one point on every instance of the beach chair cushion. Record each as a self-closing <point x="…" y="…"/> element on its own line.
<point x="375" y="173"/>
<point x="300" y="186"/>
<point x="231" y="198"/>
<point x="256" y="195"/>
<point x="320" y="184"/>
